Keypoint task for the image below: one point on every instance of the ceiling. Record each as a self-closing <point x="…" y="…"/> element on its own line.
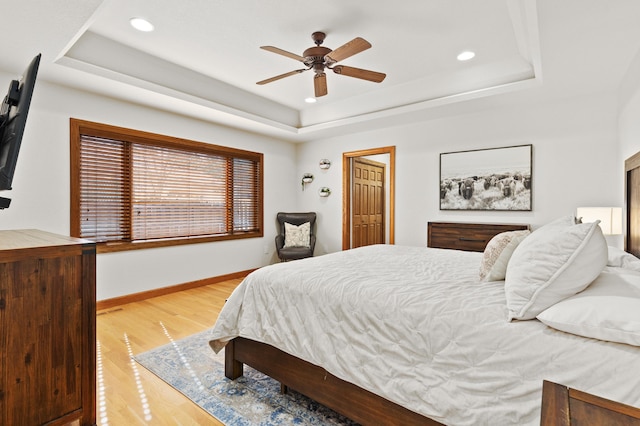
<point x="204" y="57"/>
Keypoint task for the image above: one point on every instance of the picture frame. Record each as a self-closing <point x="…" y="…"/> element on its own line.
<point x="494" y="179"/>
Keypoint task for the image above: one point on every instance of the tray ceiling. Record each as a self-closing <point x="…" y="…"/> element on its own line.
<point x="204" y="60"/>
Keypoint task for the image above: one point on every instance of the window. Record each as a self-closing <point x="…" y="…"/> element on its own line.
<point x="131" y="189"/>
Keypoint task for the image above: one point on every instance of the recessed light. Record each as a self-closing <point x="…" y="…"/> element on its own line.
<point x="310" y="100"/>
<point x="466" y="55"/>
<point x="141" y="24"/>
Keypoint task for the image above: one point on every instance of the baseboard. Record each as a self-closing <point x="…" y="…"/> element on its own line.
<point x="137" y="297"/>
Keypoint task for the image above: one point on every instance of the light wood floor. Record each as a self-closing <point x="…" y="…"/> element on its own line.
<point x="130" y="395"/>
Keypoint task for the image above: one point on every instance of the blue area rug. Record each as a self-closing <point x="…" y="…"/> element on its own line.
<point x="191" y="367"/>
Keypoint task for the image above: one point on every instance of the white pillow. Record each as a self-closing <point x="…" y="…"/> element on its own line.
<point x="493" y="266"/>
<point x="621" y="259"/>
<point x="561" y="221"/>
<point x="609" y="309"/>
<point x="296" y="236"/>
<point x="553" y="263"/>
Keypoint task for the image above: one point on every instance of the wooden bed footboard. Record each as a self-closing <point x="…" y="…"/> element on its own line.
<point x="562" y="406"/>
<point x="315" y="382"/>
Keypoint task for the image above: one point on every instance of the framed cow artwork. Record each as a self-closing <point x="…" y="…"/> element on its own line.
<point x="487" y="179"/>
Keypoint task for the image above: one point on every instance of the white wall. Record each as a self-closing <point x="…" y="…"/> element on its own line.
<point x="575" y="152"/>
<point x="629" y="117"/>
<point x="630" y="128"/>
<point x="41" y="189"/>
<point x="576" y="163"/>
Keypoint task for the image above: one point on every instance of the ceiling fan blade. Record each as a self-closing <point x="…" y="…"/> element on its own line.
<point x="278" y="77"/>
<point x="320" y="84"/>
<point x="283" y="53"/>
<point x="374" y="76"/>
<point x="356" y="45"/>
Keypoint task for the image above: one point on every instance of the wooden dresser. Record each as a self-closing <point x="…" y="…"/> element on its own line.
<point x="47" y="329"/>
<point x="466" y="236"/>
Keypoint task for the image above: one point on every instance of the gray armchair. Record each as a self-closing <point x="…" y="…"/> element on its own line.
<point x="293" y="253"/>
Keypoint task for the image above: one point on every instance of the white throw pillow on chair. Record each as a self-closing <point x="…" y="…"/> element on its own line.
<point x="297" y="236"/>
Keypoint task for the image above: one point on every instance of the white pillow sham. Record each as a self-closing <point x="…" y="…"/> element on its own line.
<point x="554" y="262"/>
<point x="493" y="266"/>
<point x="297" y="236"/>
<point x="609" y="309"/>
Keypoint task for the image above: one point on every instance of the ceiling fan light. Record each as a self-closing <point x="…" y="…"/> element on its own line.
<point x="466" y="55"/>
<point x="141" y="24"/>
<point x="310" y="100"/>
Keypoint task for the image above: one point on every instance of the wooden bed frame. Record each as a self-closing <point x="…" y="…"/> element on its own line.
<point x="343" y="397"/>
<point x="560" y="406"/>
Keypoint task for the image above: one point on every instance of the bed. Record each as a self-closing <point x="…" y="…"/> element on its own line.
<point x="410" y="335"/>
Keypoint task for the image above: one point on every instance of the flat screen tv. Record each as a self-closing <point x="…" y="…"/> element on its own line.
<point x="13" y="117"/>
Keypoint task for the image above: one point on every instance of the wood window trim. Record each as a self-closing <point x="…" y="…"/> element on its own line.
<point x="80" y="127"/>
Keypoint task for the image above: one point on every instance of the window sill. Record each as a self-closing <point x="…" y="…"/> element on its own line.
<point x="111" y="247"/>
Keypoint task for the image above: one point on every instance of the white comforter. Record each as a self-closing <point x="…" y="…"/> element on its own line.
<point x="415" y="326"/>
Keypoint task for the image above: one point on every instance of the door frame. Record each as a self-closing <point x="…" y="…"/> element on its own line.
<point x="346" y="191"/>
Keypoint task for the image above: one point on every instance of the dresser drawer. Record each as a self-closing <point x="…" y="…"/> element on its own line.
<point x="466" y="236"/>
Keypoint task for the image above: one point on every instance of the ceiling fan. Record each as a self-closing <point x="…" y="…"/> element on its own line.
<point x="318" y="58"/>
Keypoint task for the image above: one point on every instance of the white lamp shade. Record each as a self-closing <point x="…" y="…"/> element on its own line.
<point x="610" y="218"/>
